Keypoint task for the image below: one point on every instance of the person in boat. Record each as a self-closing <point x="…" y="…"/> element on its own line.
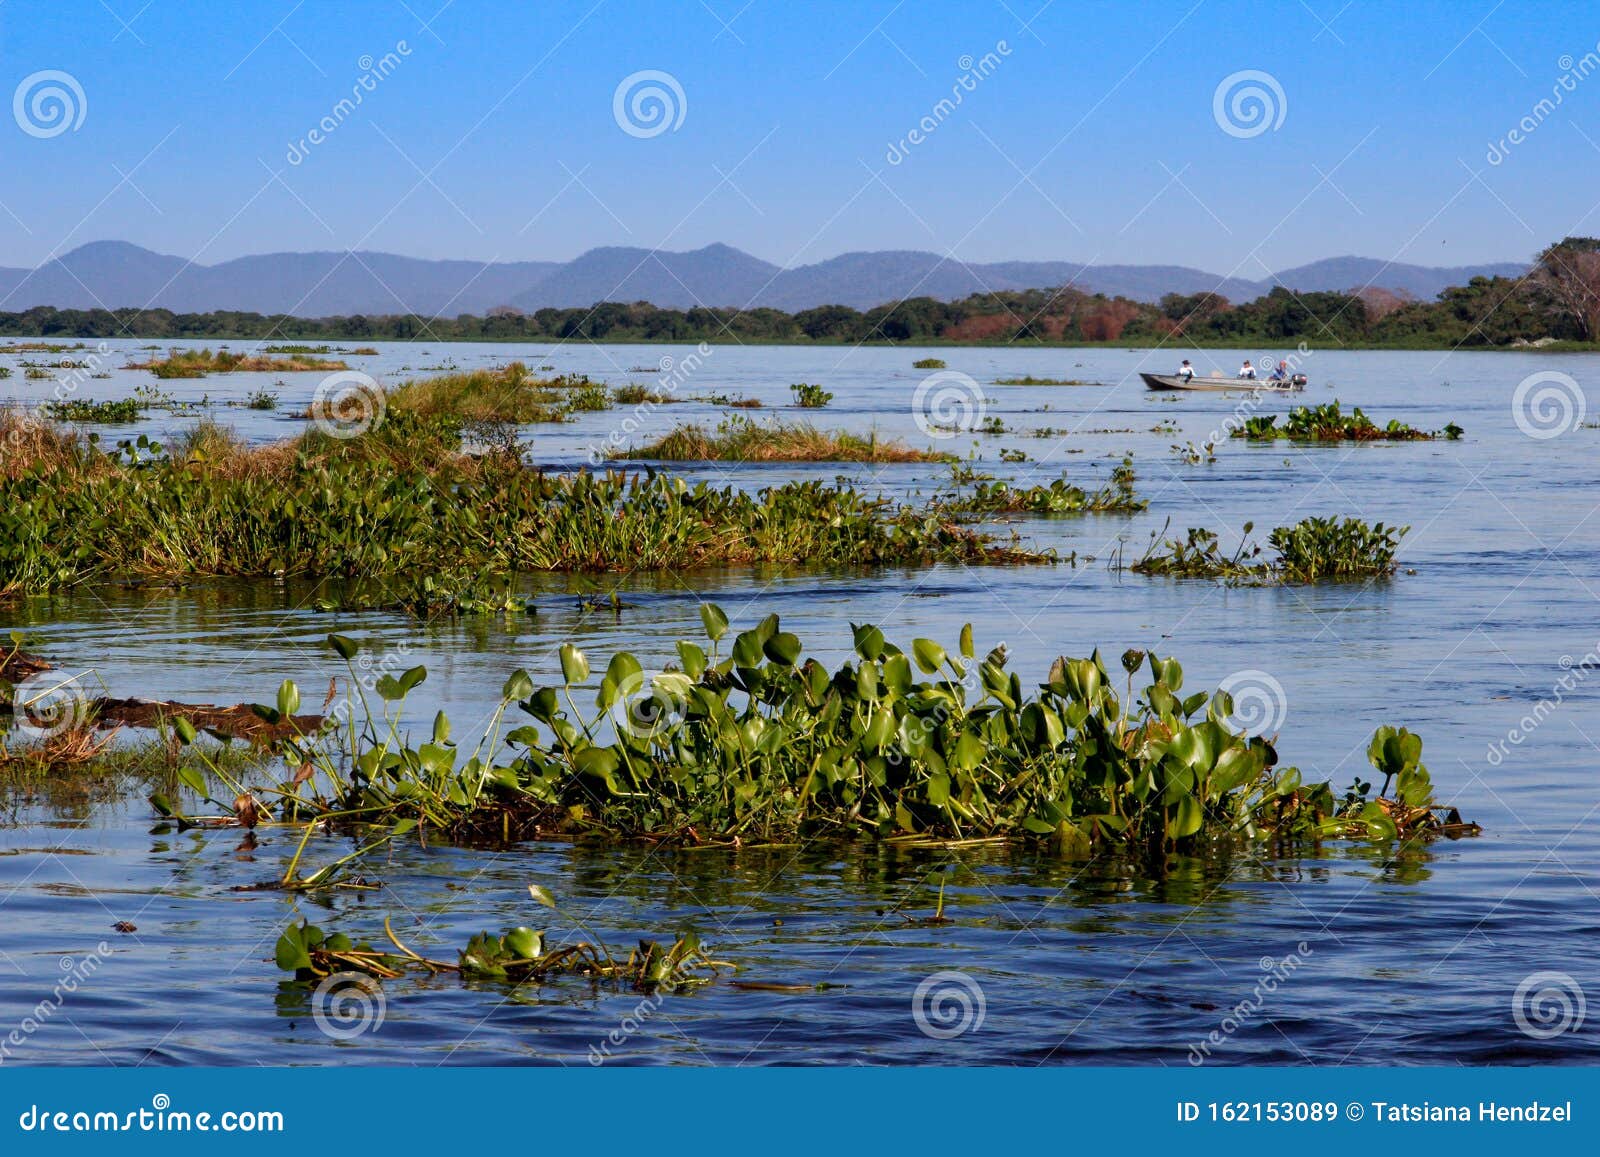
<point x="1281" y="372"/>
<point x="1186" y="371"/>
<point x="1247" y="371"/>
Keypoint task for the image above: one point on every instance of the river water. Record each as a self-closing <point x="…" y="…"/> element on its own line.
<point x="1464" y="951"/>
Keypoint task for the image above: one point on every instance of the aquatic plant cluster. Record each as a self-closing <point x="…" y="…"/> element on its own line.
<point x="990" y="496"/>
<point x="1326" y="423"/>
<point x="402" y="498"/>
<point x="1312" y="550"/>
<point x="759" y="745"/>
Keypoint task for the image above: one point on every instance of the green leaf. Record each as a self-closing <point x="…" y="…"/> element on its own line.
<point x="868" y="640"/>
<point x="525" y="943"/>
<point x="185" y="730"/>
<point x="290" y="953"/>
<point x="966" y="641"/>
<point x="288" y="698"/>
<point x="574" y="666"/>
<point x="411" y="677"/>
<point x="1186" y="818"/>
<point x="346" y="647"/>
<point x="542" y="894"/>
<point x="716" y="623"/>
<point x="782" y="648"/>
<point x="928" y="654"/>
<point x="518" y="687"/>
<point x="191" y="778"/>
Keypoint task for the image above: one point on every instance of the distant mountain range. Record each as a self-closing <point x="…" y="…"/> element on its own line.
<point x="115" y="274"/>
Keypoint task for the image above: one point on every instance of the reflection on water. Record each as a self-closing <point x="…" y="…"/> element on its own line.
<point x="1411" y="957"/>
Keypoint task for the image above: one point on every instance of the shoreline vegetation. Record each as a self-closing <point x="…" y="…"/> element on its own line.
<point x="1554" y="308"/>
<point x="382" y="486"/>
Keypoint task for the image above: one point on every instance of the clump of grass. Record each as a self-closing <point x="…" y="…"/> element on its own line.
<point x="1059" y="497"/>
<point x="199" y="363"/>
<point x="809" y="396"/>
<point x="1313" y="550"/>
<point x="261" y="400"/>
<point x="507" y="394"/>
<point x="1030" y="380"/>
<point x="744" y="440"/>
<point x="928" y="364"/>
<point x="634" y="394"/>
<point x="1326" y="423"/>
<point x="403" y="498"/>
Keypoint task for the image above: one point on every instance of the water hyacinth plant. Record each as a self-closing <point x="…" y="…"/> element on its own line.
<point x="1312" y="550"/>
<point x="759" y="745"/>
<point x="1059" y="497"/>
<point x="1326" y="423"/>
<point x="514" y="955"/>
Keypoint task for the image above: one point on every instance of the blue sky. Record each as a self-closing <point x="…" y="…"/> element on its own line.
<point x="1093" y="136"/>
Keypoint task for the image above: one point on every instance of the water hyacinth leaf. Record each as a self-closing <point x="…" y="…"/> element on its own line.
<point x="868" y="641"/>
<point x="715" y="622"/>
<point x="290" y="953"/>
<point x="519" y="686"/>
<point x="163" y="805"/>
<point x="747" y="651"/>
<point x="524" y="943"/>
<point x="625" y="671"/>
<point x="345" y="647"/>
<point x="542" y="895"/>
<point x="1186" y="819"/>
<point x="411" y="677"/>
<point x="939" y="790"/>
<point x="574" y="665"/>
<point x="766" y="628"/>
<point x="966" y="641"/>
<point x="928" y="654"/>
<point x="193" y="779"/>
<point x="692" y="658"/>
<point x="441" y="728"/>
<point x="185" y="730"/>
<point x="389" y="688"/>
<point x="782" y="648"/>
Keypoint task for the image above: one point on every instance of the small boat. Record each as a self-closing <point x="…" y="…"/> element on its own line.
<point x="1178" y="382"/>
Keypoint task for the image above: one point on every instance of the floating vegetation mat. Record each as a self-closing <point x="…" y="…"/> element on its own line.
<point x="756" y="745"/>
<point x="1326" y="423"/>
<point x="1312" y="550"/>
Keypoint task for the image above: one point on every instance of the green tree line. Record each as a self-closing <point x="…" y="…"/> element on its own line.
<point x="1559" y="299"/>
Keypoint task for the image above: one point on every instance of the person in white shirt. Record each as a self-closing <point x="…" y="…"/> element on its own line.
<point x="1247" y="370"/>
<point x="1186" y="371"/>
